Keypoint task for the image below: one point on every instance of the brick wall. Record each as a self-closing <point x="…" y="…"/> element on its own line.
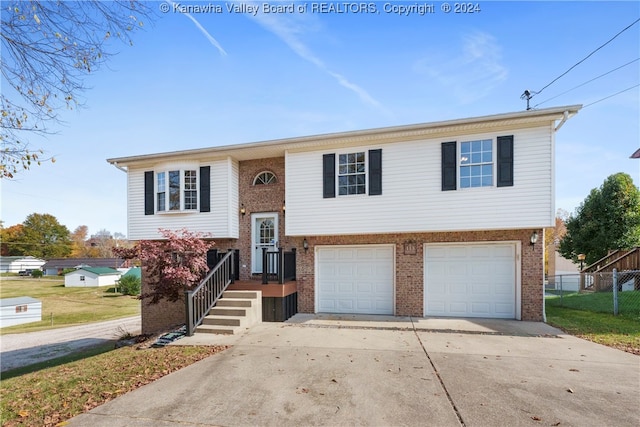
<point x="409" y="268"/>
<point x="161" y="316"/>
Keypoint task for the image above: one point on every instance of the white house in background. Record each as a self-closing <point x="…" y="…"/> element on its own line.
<point x="16" y="311"/>
<point x="567" y="274"/>
<point x="432" y="219"/>
<point x="91" y="277"/>
<point x="15" y="264"/>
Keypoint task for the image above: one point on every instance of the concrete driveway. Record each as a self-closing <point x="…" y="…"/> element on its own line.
<point x="328" y="370"/>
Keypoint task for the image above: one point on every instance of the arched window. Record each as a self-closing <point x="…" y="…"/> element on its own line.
<point x="265" y="178"/>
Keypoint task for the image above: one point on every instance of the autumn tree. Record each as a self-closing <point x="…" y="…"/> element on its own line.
<point x="608" y="218"/>
<point x="78" y="241"/>
<point x="48" y="48"/>
<point x="172" y="265"/>
<point x="44" y="237"/>
<point x="9" y="240"/>
<point x="552" y="237"/>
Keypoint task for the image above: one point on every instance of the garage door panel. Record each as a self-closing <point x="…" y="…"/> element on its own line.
<point x="368" y="272"/>
<point x="470" y="280"/>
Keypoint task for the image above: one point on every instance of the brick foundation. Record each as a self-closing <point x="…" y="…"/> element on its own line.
<point x="410" y="272"/>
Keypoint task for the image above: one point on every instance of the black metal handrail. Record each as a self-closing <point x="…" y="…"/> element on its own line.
<point x="278" y="266"/>
<point x="201" y="299"/>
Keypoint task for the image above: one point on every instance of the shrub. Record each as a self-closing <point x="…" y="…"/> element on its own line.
<point x="129" y="285"/>
<point x="37" y="274"/>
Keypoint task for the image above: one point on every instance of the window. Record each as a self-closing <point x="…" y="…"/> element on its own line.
<point x="351" y="174"/>
<point x="265" y="178"/>
<point x="182" y="190"/>
<point x="190" y="190"/>
<point x="21" y="308"/>
<point x="476" y="163"/>
<point x="82" y="278"/>
<point x="161" y="192"/>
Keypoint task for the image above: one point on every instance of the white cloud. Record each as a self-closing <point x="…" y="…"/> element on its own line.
<point x="472" y="72"/>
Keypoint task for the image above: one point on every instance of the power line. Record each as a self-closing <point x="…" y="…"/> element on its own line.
<point x="585" y="58"/>
<point x="588" y="81"/>
<point x="610" y="96"/>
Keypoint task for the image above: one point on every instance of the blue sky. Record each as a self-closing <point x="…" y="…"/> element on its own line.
<point x="242" y="78"/>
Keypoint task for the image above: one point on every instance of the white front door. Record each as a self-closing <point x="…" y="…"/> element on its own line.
<point x="264" y="232"/>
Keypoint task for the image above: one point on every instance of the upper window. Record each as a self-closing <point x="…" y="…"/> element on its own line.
<point x="476" y="163"/>
<point x="264" y="178"/>
<point x="352" y="176"/>
<point x="182" y="190"/>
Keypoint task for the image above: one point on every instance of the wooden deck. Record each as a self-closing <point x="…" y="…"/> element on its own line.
<point x="269" y="290"/>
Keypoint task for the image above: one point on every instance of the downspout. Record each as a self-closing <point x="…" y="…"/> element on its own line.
<point x="563" y="121"/>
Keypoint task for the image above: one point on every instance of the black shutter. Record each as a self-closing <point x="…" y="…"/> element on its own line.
<point x="375" y="172"/>
<point x="148" y="193"/>
<point x="329" y="176"/>
<point x="449" y="166"/>
<point x="505" y="161"/>
<point x="205" y="189"/>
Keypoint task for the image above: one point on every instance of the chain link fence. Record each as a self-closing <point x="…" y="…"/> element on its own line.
<point x="612" y="292"/>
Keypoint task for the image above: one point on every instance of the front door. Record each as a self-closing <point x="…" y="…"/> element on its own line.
<point x="264" y="232"/>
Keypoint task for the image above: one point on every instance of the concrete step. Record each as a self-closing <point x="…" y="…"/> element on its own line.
<point x="224" y="320"/>
<point x="218" y="329"/>
<point x="240" y="294"/>
<point x="227" y="311"/>
<point x="234" y="302"/>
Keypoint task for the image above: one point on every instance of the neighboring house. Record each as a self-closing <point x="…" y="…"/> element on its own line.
<point x="567" y="274"/>
<point x="91" y="277"/>
<point x="16" y="311"/>
<point x="56" y="266"/>
<point x="433" y="219"/>
<point x="133" y="271"/>
<point x="15" y="264"/>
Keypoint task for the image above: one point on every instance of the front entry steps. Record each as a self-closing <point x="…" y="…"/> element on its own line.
<point x="235" y="312"/>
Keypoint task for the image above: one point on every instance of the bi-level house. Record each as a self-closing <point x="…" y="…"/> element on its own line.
<point x="433" y="219"/>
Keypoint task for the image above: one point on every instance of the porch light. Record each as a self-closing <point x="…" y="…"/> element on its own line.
<point x="305" y="245"/>
<point x="284" y="207"/>
<point x="243" y="211"/>
<point x="534" y="238"/>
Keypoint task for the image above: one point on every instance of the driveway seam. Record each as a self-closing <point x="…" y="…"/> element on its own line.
<point x="444" y="387"/>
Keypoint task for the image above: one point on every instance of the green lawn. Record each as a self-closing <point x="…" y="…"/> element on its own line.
<point x="590" y="316"/>
<point x="600" y="302"/>
<point x="67" y="306"/>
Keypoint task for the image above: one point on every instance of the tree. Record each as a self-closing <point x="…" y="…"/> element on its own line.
<point x="78" y="240"/>
<point x="552" y="237"/>
<point x="47" y="50"/>
<point x="171" y="266"/>
<point x="609" y="218"/>
<point x="10" y="237"/>
<point x="44" y="237"/>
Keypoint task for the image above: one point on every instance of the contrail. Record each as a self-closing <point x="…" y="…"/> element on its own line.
<point x="213" y="41"/>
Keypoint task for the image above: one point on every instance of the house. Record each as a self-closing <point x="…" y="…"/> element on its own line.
<point x="56" y="266"/>
<point x="15" y="264"/>
<point x="434" y="219"/>
<point x="91" y="277"/>
<point x="566" y="274"/>
<point x="16" y="311"/>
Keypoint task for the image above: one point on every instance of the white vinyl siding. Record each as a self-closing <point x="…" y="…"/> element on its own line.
<point x="221" y="222"/>
<point x="412" y="199"/>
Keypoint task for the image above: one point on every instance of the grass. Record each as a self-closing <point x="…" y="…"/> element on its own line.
<point x="67" y="306"/>
<point x="47" y="397"/>
<point x="590" y="316"/>
<point x="601" y="302"/>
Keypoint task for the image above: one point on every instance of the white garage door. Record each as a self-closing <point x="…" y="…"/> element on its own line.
<point x="471" y="280"/>
<point x="355" y="279"/>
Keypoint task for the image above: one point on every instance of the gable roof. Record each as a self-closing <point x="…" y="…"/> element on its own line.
<point x="135" y="272"/>
<point x="81" y="262"/>
<point x="100" y="271"/>
<point x="277" y="148"/>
